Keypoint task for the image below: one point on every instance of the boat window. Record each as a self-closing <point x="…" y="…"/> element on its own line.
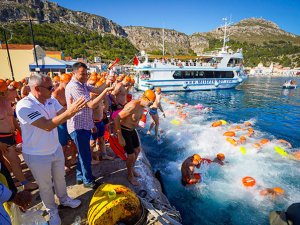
<point x="209" y="74"/>
<point x="145" y="75"/>
<point x="177" y="75"/>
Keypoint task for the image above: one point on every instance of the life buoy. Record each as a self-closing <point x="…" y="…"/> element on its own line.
<point x="229" y="134"/>
<point x="216" y="123"/>
<point x="248" y="181"/>
<point x="112" y="203"/>
<point x="232" y="141"/>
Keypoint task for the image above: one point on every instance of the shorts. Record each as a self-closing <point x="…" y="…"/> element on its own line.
<point x="8" y="138"/>
<point x="153" y="111"/>
<point x="131" y="139"/>
<point x="100" y="130"/>
<point x="63" y="135"/>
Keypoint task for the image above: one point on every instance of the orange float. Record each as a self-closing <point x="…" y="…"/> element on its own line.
<point x="229" y="134"/>
<point x="248" y="181"/>
<point x="235" y="128"/>
<point x="264" y="141"/>
<point x="242" y="139"/>
<point x="217" y="123"/>
<point x="232" y="141"/>
<point x="257" y="145"/>
<point x="278" y="190"/>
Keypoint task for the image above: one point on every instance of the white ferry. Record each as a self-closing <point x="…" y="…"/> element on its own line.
<point x="221" y="70"/>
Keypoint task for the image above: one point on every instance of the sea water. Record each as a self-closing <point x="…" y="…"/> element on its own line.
<point x="221" y="198"/>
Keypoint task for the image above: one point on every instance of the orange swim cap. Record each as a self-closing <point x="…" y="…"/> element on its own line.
<point x="128" y="79"/>
<point x="99" y="83"/>
<point x="3" y="86"/>
<point x="93" y="77"/>
<point x="278" y="190"/>
<point x="158" y="89"/>
<point x="149" y="95"/>
<point x="14" y="84"/>
<point x="56" y="78"/>
<point x="220" y="156"/>
<point x="197" y="157"/>
<point x="65" y="78"/>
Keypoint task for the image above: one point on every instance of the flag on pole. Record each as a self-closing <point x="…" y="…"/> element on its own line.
<point x="136" y="60"/>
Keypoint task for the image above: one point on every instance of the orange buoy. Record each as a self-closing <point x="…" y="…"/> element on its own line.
<point x="257" y="145"/>
<point x="229" y="134"/>
<point x="235" y="128"/>
<point x="248" y="181"/>
<point x="242" y="139"/>
<point x="264" y="141"/>
<point x="278" y="190"/>
<point x="232" y="141"/>
<point x="217" y="123"/>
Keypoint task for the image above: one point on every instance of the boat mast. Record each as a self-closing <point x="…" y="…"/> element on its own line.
<point x="225" y="34"/>
<point x="163" y="45"/>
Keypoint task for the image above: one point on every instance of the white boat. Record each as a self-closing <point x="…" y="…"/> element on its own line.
<point x="220" y="70"/>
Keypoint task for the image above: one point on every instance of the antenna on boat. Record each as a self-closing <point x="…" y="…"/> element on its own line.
<point x="226" y="37"/>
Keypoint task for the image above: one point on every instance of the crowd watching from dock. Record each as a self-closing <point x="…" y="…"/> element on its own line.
<point x="58" y="122"/>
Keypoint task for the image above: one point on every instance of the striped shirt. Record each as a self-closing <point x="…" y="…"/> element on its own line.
<point x="84" y="118"/>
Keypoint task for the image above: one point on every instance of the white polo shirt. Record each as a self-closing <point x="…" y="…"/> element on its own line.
<point x="35" y="140"/>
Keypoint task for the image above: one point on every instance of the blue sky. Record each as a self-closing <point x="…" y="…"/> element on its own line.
<point x="190" y="16"/>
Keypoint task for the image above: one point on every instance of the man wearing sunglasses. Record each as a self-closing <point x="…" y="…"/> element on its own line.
<point x="39" y="116"/>
<point x="125" y="123"/>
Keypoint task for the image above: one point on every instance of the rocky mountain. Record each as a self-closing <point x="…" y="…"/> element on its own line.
<point x="49" y="12"/>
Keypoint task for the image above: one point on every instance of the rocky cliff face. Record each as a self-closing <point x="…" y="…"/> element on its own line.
<point x="151" y="39"/>
<point x="15" y="10"/>
<point x="254" y="30"/>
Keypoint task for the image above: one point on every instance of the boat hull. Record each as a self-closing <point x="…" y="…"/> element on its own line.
<point x="189" y="85"/>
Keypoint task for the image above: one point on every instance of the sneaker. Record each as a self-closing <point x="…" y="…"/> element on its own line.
<point x="72" y="203"/>
<point x="93" y="185"/>
<point x="79" y="182"/>
<point x="54" y="218"/>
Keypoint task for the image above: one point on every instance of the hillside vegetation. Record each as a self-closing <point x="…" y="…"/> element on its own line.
<point x="74" y="41"/>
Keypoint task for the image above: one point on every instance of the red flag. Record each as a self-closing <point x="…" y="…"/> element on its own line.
<point x="136" y="60"/>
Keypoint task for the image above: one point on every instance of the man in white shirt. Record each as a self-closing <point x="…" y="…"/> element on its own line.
<point x="39" y="115"/>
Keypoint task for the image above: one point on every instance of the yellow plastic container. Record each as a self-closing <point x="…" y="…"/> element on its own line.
<point x="112" y="203"/>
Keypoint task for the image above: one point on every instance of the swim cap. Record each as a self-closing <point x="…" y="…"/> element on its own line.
<point x="3" y="86"/>
<point x="127" y="79"/>
<point x="120" y="78"/>
<point x="132" y="80"/>
<point x="65" y="78"/>
<point x="14" y="84"/>
<point x="197" y="158"/>
<point x="56" y="78"/>
<point x="8" y="82"/>
<point x="93" y="77"/>
<point x="220" y="156"/>
<point x="278" y="190"/>
<point x="158" y="89"/>
<point x="149" y="95"/>
<point x="99" y="83"/>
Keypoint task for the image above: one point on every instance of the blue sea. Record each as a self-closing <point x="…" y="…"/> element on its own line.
<point x="221" y="198"/>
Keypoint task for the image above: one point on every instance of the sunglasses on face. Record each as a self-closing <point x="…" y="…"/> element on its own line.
<point x="50" y="88"/>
